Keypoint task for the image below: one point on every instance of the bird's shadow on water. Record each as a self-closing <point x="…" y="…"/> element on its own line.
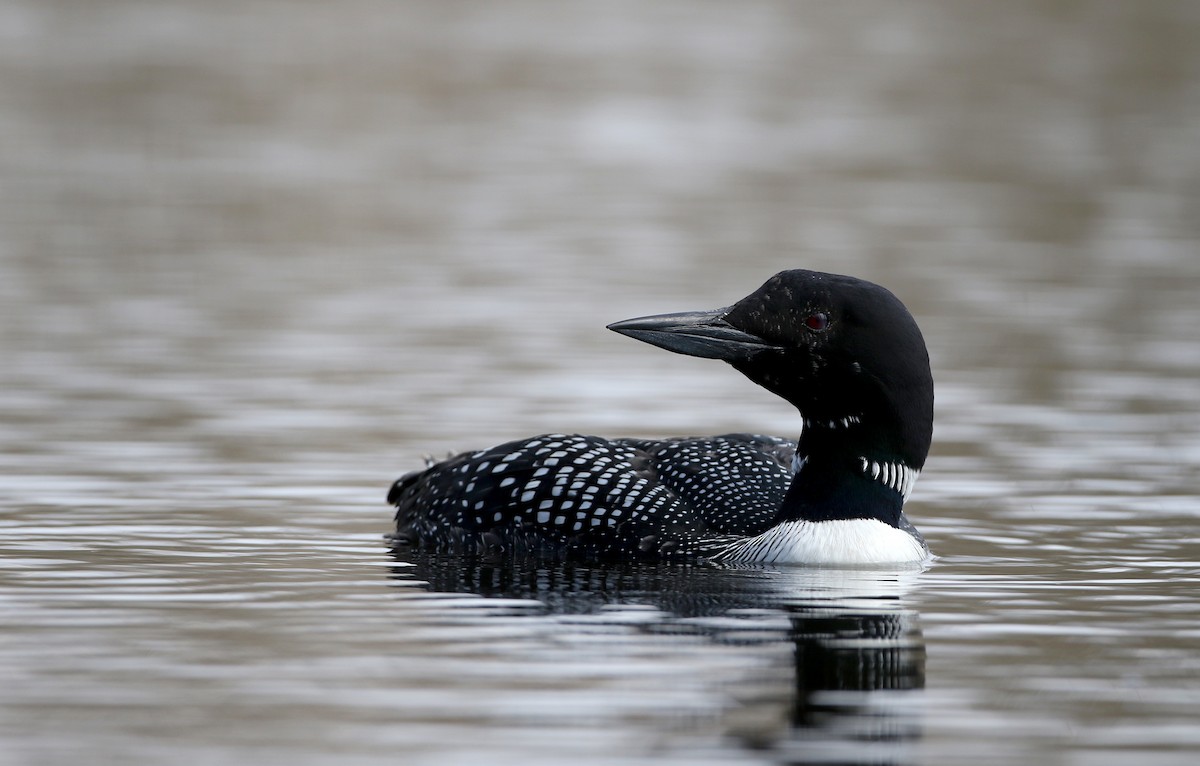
<point x="857" y="653"/>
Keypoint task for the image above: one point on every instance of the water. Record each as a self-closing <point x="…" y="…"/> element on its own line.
<point x="257" y="259"/>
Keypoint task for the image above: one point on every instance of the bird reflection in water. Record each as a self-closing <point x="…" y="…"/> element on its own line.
<point x="856" y="674"/>
<point x="854" y="648"/>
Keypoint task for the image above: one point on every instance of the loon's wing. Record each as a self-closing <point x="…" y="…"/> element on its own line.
<point x="588" y="497"/>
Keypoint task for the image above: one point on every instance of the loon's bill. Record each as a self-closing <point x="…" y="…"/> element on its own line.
<point x="695" y="333"/>
<point x="844" y="352"/>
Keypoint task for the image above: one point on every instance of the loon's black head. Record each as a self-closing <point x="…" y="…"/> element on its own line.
<point x="844" y="351"/>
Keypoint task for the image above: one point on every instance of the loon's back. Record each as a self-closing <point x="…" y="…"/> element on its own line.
<point x="592" y="498"/>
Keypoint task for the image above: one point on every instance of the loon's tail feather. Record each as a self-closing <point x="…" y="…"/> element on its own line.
<point x="400" y="485"/>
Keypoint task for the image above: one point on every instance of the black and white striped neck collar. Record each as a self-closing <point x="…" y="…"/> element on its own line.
<point x="894" y="475"/>
<point x="836" y="423"/>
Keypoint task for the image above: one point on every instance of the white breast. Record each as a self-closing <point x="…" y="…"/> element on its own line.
<point x="842" y="542"/>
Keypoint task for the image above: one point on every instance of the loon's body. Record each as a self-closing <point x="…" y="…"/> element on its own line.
<point x="844" y="351"/>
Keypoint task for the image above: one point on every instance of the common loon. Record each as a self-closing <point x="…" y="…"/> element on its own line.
<point x="845" y="352"/>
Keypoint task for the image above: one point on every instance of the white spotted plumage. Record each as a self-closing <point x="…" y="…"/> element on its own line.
<point x="587" y="493"/>
<point x="688" y="493"/>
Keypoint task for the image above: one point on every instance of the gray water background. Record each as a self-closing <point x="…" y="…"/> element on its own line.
<point x="258" y="258"/>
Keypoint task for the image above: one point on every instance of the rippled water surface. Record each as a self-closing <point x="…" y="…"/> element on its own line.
<point x="258" y="258"/>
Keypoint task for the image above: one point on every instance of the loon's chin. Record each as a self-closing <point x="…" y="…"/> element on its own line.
<point x="833" y="543"/>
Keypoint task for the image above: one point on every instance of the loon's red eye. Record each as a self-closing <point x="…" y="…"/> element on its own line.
<point x="817" y="322"/>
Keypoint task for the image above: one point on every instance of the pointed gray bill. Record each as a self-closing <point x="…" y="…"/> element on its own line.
<point x="695" y="333"/>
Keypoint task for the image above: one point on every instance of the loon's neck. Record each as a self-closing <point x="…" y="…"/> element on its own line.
<point x="845" y="471"/>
